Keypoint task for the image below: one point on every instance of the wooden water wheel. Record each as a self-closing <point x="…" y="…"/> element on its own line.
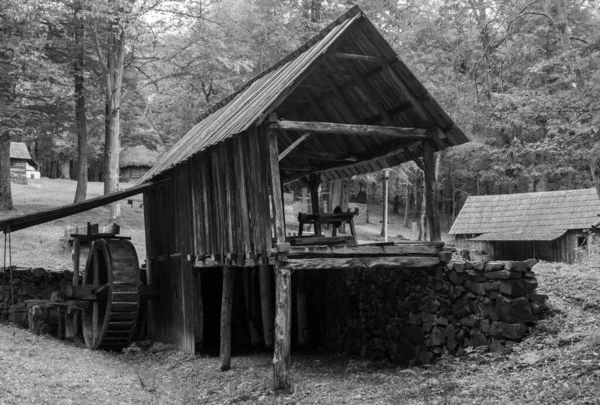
<point x="112" y="271"/>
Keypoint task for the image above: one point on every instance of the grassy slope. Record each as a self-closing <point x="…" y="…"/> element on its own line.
<point x="41" y="245"/>
<point x="562" y="352"/>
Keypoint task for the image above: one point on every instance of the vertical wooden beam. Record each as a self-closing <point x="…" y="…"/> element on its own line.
<point x="384" y="229"/>
<point x="266" y="303"/>
<point x="301" y="309"/>
<point x="283" y="326"/>
<point x="314" y="182"/>
<point x="283" y="319"/>
<point x="226" y="307"/>
<point x="76" y="255"/>
<point x="276" y="191"/>
<point x="431" y="190"/>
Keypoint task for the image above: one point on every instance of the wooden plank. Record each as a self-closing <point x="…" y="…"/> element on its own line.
<point x="41" y="217"/>
<point x="301" y="309"/>
<point x="361" y="262"/>
<point x="362" y="58"/>
<point x="359" y="251"/>
<point x="321" y="240"/>
<point x="293" y="145"/>
<point x="276" y="192"/>
<point x="266" y="303"/>
<point x="226" y="309"/>
<point x="243" y="201"/>
<point x="283" y="327"/>
<point x="351" y="129"/>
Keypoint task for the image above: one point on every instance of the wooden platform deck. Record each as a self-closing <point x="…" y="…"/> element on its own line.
<point x="409" y="254"/>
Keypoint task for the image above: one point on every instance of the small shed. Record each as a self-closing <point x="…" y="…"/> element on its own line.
<point x="21" y="162"/>
<point x="555" y="226"/>
<point x="135" y="161"/>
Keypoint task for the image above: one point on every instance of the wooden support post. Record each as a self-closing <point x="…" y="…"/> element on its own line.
<point x="61" y="322"/>
<point x="301" y="309"/>
<point x="283" y="323"/>
<point x="71" y="323"/>
<point x="314" y="182"/>
<point x="266" y="303"/>
<point x="276" y="190"/>
<point x="75" y="261"/>
<point x="226" y="307"/>
<point x="199" y="312"/>
<point x="431" y="190"/>
<point x="384" y="229"/>
<point x="249" y="295"/>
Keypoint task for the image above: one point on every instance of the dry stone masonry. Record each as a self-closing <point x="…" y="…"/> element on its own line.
<point x="27" y="284"/>
<point x="412" y="316"/>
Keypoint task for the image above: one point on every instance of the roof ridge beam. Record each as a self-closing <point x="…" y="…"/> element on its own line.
<point x="351" y="129"/>
<point x="354" y="56"/>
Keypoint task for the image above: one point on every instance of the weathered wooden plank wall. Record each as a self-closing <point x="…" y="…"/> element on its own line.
<point x="215" y="211"/>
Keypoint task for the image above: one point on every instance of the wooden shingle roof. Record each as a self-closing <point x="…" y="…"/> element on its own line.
<point x="522" y="215"/>
<point x="346" y="74"/>
<point x="18" y="150"/>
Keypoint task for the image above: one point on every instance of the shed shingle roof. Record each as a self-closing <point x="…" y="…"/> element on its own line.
<point x="18" y="150"/>
<point x="330" y="92"/>
<point x="528" y="213"/>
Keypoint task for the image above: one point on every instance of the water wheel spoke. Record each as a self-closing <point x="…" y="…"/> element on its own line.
<point x="101" y="291"/>
<point x="95" y="322"/>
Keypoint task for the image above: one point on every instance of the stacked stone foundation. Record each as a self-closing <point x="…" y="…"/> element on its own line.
<point x="412" y="316"/>
<point x="28" y="284"/>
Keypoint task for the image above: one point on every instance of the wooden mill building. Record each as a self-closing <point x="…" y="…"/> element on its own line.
<point x="340" y="105"/>
<point x="556" y="226"/>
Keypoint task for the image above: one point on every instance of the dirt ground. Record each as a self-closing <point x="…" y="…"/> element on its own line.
<point x="557" y="364"/>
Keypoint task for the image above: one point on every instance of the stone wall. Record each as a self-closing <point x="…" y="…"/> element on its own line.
<point x="28" y="283"/>
<point x="414" y="315"/>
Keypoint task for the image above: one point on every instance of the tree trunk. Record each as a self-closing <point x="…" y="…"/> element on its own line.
<point x="114" y="80"/>
<point x="80" y="118"/>
<point x="6" y="202"/>
<point x="595" y="164"/>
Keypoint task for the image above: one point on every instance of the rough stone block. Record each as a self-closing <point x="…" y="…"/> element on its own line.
<point x="494" y="266"/>
<point x="538" y="297"/>
<point x="431" y="305"/>
<point x="514" y="310"/>
<point x="414" y="319"/>
<point x="412" y="303"/>
<point x="477" y="339"/>
<point x="475" y="287"/>
<point x="529" y="274"/>
<point x="425" y="357"/>
<point x="485" y="325"/>
<point x="458" y="267"/>
<point x="461" y="307"/>
<point x="437" y="337"/>
<point x="518" y="288"/>
<point x="468" y="320"/>
<point x="441" y="321"/>
<point x="539" y="307"/>
<point x="451" y="342"/>
<point x="498" y="275"/>
<point x="520" y="266"/>
<point x="478" y="265"/>
<point x="493" y="295"/>
<point x="496" y="345"/>
<point x="513" y="331"/>
<point x="492" y="286"/>
<point x="455" y="277"/>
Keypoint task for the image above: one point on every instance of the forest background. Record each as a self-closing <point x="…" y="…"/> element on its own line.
<point x="82" y="79"/>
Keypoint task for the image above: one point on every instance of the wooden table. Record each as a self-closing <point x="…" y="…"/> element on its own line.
<point x="335" y="219"/>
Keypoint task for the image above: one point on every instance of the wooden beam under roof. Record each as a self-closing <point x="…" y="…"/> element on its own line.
<point x="383" y="151"/>
<point x="364" y="58"/>
<point x="293" y="145"/>
<point x="351" y="129"/>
